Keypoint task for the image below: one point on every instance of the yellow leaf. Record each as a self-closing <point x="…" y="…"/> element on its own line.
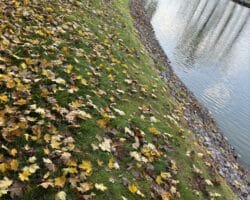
<point x="84" y="187"/>
<point x="173" y="165"/>
<point x="60" y="181"/>
<point x="133" y="188"/>
<point x="40" y="32"/>
<point x="165" y="196"/>
<point x="23" y="66"/>
<point x="49" y="9"/>
<point x="99" y="162"/>
<point x="21" y="102"/>
<point x="86" y="166"/>
<point x="102" y="123"/>
<point x="14" y="165"/>
<point x="65" y="50"/>
<point x="26" y="2"/>
<point x="165" y="175"/>
<point x="46" y="151"/>
<point x="46" y="138"/>
<point x="84" y="82"/>
<point x="24" y="176"/>
<point x="153" y="131"/>
<point x="111" y="77"/>
<point x="70" y="170"/>
<point x="10" y="84"/>
<point x="29" y="61"/>
<point x="68" y="69"/>
<point x="54" y="144"/>
<point x="72" y="163"/>
<point x="112" y="164"/>
<point x="3" y="167"/>
<point x="4" y="98"/>
<point x="158" y="180"/>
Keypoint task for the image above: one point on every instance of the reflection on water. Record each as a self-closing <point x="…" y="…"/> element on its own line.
<point x="208" y="43"/>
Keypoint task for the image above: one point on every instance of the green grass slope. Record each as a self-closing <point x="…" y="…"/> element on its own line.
<point x="84" y="113"/>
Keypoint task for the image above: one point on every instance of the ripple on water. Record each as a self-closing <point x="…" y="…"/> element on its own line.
<point x="208" y="44"/>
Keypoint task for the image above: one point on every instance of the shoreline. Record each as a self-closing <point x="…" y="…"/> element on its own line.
<point x="197" y="117"/>
<point x="243" y="3"/>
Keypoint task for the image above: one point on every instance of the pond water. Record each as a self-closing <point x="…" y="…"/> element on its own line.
<point x="208" y="44"/>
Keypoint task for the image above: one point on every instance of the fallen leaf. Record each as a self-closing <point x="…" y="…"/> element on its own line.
<point x="5" y="183"/>
<point x="61" y="196"/>
<point x="86" y="166"/>
<point x="100" y="187"/>
<point x="133" y="188"/>
<point x="60" y="181"/>
<point x="106" y="145"/>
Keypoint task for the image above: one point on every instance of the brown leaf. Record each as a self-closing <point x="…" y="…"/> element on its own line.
<point x="16" y="190"/>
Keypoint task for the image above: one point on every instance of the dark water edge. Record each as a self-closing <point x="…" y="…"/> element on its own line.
<point x="197" y="116"/>
<point x="242" y="2"/>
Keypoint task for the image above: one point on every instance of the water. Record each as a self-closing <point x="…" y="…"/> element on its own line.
<point x="208" y="44"/>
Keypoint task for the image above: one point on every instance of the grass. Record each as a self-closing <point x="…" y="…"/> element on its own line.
<point x="111" y="70"/>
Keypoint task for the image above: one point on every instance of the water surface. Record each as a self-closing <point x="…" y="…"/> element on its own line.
<point x="208" y="44"/>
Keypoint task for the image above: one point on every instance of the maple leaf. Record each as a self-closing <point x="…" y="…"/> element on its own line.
<point x="14" y="165"/>
<point x="4" y="98"/>
<point x="13" y="152"/>
<point x="84" y="187"/>
<point x="71" y="116"/>
<point x="33" y="168"/>
<point x="3" y="167"/>
<point x="100" y="186"/>
<point x="173" y="190"/>
<point x="112" y="164"/>
<point x="24" y="176"/>
<point x="106" y="145"/>
<point x="84" y="82"/>
<point x="21" y="102"/>
<point x="165" y="195"/>
<point x="60" y="81"/>
<point x="86" y="166"/>
<point x="153" y="130"/>
<point x="120" y="112"/>
<point x="208" y="182"/>
<point x="5" y="183"/>
<point x="68" y="69"/>
<point x="47" y="184"/>
<point x="61" y="196"/>
<point x="60" y="181"/>
<point x="40" y="111"/>
<point x="70" y="170"/>
<point x="133" y="188"/>
<point x="102" y="123"/>
<point x="158" y="180"/>
<point x="16" y="190"/>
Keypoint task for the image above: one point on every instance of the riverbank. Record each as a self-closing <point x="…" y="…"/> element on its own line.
<point x="197" y="117"/>
<point x="84" y="113"/>
<point x="245" y="3"/>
